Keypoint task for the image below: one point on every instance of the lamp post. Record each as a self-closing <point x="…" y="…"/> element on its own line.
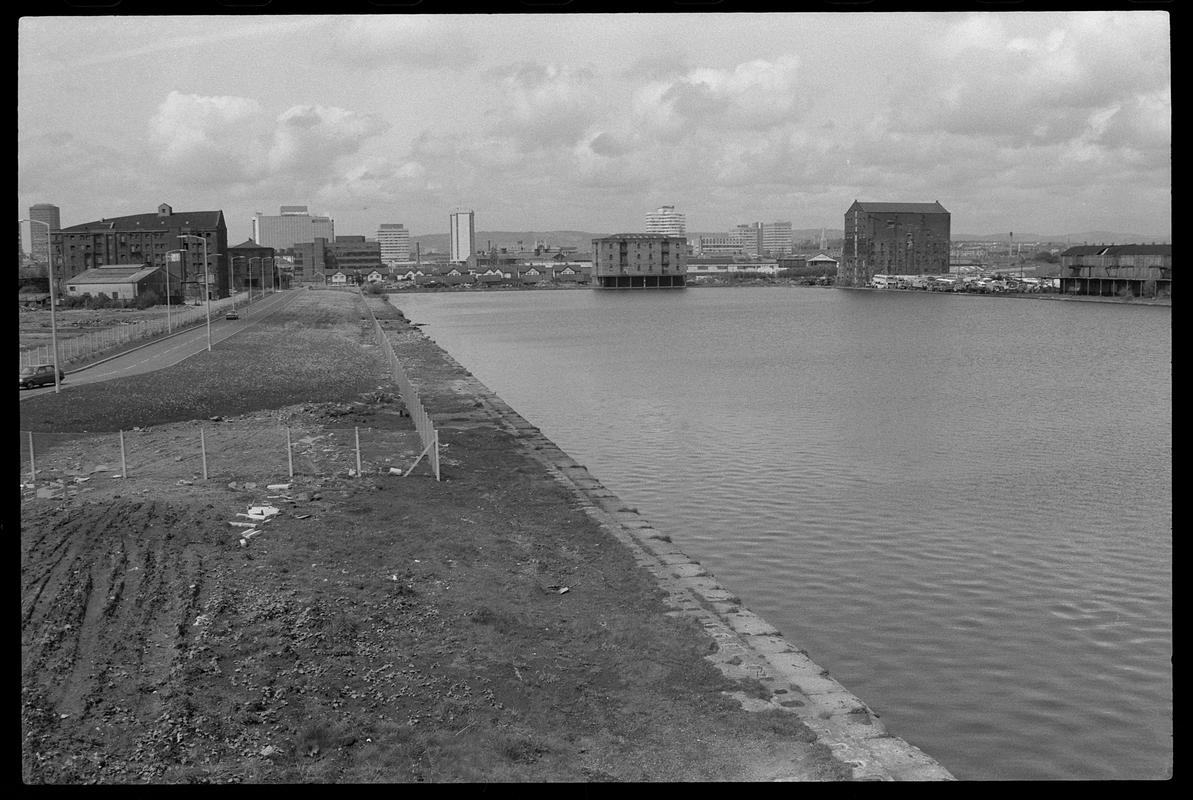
<point x="232" y="267"/>
<point x="50" y="264"/>
<point x="206" y="282"/>
<point x="169" y="325"/>
<point x="251" y="260"/>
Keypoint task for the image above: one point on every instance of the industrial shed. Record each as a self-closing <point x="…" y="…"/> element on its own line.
<point x="118" y="281"/>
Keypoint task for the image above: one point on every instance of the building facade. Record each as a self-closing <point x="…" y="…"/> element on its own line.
<point x="355" y="253"/>
<point x="293" y="225"/>
<point x="1136" y="270"/>
<point x="640" y="261"/>
<point x="666" y="221"/>
<point x="119" y="282"/>
<point x="461" y="237"/>
<point x="253" y="267"/>
<point x="39" y="236"/>
<point x="148" y="239"/>
<point x="776" y="239"/>
<point x="894" y="239"/>
<point x="395" y="243"/>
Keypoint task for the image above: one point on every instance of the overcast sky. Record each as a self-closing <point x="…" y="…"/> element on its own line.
<point x="1036" y="122"/>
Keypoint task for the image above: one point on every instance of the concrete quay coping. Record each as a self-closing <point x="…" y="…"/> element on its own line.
<point x="748" y="647"/>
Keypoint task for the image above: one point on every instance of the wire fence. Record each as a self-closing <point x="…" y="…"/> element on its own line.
<point x="66" y="462"/>
<point x="75" y="347"/>
<point x="418" y="414"/>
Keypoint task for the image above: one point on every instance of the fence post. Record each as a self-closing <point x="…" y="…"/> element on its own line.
<point x="358" y="474"/>
<point x="203" y="450"/>
<point x="289" y="453"/>
<point x="32" y="462"/>
<point x="123" y="465"/>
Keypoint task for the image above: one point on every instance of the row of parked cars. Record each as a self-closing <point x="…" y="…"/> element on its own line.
<point x="985" y="284"/>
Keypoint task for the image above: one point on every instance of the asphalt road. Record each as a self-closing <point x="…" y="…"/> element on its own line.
<point x="168" y="351"/>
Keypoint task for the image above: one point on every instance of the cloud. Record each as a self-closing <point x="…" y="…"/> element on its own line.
<point x="544" y="105"/>
<point x="203" y="139"/>
<point x="429" y="41"/>
<point x="308" y="139"/>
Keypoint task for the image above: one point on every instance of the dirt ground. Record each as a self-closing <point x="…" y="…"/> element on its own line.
<point x="378" y="628"/>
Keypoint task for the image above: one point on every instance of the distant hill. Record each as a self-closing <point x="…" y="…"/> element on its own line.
<point x="1085" y="237"/>
<point x="581" y="240"/>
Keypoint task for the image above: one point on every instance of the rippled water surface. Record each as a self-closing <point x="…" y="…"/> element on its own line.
<point x="960" y="506"/>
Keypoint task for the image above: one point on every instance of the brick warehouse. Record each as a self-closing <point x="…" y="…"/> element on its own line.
<point x="146" y="239"/>
<point x="894" y="238"/>
<point x="640" y="261"/>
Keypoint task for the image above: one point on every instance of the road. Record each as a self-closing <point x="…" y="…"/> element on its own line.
<point x="170" y="350"/>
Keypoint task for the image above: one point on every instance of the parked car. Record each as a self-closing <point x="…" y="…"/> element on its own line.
<point x="232" y="315"/>
<point x="39" y="375"/>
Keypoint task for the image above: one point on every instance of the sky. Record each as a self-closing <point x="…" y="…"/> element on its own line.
<point x="1048" y="122"/>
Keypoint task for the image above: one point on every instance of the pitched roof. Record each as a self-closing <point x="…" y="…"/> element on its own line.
<point x="902" y="208"/>
<point x="116" y="273"/>
<point x="177" y="219"/>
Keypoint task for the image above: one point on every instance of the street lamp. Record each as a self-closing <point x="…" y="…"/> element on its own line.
<point x="262" y="274"/>
<point x="206" y="282"/>
<point x="169" y="326"/>
<point x="53" y="323"/>
<point x="232" y="267"/>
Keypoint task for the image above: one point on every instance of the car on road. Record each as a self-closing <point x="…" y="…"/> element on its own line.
<point x="39" y="375"/>
<point x="232" y="315"/>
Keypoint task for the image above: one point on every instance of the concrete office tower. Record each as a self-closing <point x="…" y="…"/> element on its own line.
<point x="776" y="238"/>
<point x="395" y="242"/>
<point x="667" y="221"/>
<point x="39" y="237"/>
<point x="462" y="237"/>
<point x="292" y="226"/>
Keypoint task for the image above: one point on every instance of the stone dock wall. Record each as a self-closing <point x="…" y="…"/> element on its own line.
<point x="748" y="646"/>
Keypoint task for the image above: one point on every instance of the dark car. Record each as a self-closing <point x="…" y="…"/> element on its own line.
<point x="232" y="315"/>
<point x="39" y="375"/>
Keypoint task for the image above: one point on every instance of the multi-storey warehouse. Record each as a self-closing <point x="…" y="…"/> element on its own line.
<point x="147" y="239"/>
<point x="894" y="238"/>
<point x="640" y="261"/>
<point x="1141" y="270"/>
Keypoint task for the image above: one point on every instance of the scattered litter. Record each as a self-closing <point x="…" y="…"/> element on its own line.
<point x="559" y="589"/>
<point x="260" y="512"/>
<point x="250" y="534"/>
<point x="279" y="486"/>
<point x="185" y="482"/>
<point x="81" y="480"/>
<point x="395" y="471"/>
<point x="244" y="543"/>
<point x="351" y="473"/>
<point x="269" y="750"/>
<point x="217" y="418"/>
<point x="302" y="516"/>
<point x="242" y="524"/>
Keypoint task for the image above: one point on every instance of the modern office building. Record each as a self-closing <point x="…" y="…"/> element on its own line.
<point x="462" y="237"/>
<point x="395" y="243"/>
<point x="640" y="261"/>
<point x="39" y="237"/>
<point x="293" y="225"/>
<point x="147" y="239"/>
<point x="775" y="239"/>
<point x="355" y="253"/>
<point x="894" y="239"/>
<point x="665" y="220"/>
